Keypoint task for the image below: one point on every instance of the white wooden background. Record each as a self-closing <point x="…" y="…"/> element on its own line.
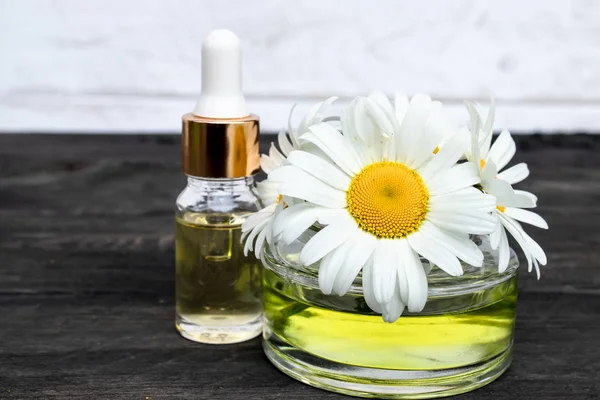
<point x="133" y="65"/>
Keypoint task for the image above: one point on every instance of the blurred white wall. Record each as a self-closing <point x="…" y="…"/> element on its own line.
<point x="133" y="65"/>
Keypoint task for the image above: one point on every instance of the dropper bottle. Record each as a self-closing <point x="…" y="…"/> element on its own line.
<point x="217" y="288"/>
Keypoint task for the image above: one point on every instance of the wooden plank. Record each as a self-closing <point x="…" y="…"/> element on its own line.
<point x="86" y="278"/>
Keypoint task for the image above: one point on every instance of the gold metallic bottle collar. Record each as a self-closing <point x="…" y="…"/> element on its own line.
<point x="220" y="148"/>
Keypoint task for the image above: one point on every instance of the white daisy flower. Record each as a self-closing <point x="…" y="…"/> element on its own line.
<point x="510" y="203"/>
<point x="258" y="226"/>
<point x="384" y="199"/>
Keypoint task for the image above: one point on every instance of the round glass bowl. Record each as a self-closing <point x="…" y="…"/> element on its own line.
<point x="462" y="340"/>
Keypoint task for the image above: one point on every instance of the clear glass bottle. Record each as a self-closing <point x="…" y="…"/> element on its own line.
<point x="218" y="289"/>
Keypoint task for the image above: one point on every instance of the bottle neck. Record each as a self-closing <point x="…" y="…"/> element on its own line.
<point x="229" y="184"/>
<point x="222" y="196"/>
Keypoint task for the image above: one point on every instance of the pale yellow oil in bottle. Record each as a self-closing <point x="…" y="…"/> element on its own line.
<point x="218" y="289"/>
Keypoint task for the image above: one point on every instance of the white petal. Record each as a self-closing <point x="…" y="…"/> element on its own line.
<point x="434" y="135"/>
<point x="403" y="282"/>
<point x="329" y="267"/>
<point x="356" y="125"/>
<point x="268" y="192"/>
<point x="310" y="116"/>
<point x="532" y="197"/>
<point x="330" y="216"/>
<point x="505" y="195"/>
<point x="460" y="176"/>
<point x="392" y="125"/>
<point x="416" y="156"/>
<point x="268" y="164"/>
<point x="315" y="115"/>
<point x="328" y="103"/>
<point x="515" y="174"/>
<point x="415" y="275"/>
<point x="270" y="236"/>
<point x="284" y="143"/>
<point x="486" y="140"/>
<point x="254" y="220"/>
<point x="370" y="148"/>
<point x="260" y="241"/>
<point x="295" y="220"/>
<point x="384" y="271"/>
<point x="283" y="219"/>
<point x="516" y="232"/>
<point x="335" y="146"/>
<point x="448" y="155"/>
<point x="479" y="207"/>
<point x="324" y="195"/>
<point x="478" y="225"/>
<point x="503" y="150"/>
<point x="378" y="115"/>
<point x="400" y="106"/>
<point x="503" y="251"/>
<point x="361" y="248"/>
<point x="436" y="254"/>
<point x="475" y="202"/>
<point x="257" y="218"/>
<point x="298" y="225"/>
<point x="243" y="241"/>
<point x="368" y="287"/>
<point x="320" y="169"/>
<point x="537" y="268"/>
<point x="463" y="247"/>
<point x="323" y="242"/>
<point x="496" y="236"/>
<point x="498" y="188"/>
<point x="412" y="126"/>
<point x="348" y="124"/>
<point x="474" y="130"/>
<point x="249" y="246"/>
<point x="489" y="171"/>
<point x="292" y="134"/>
<point x="526" y="216"/>
<point x="437" y="132"/>
<point x="536" y="250"/>
<point x="275" y="154"/>
<point x="297" y="183"/>
<point x="519" y="200"/>
<point x="394" y="309"/>
<point x="384" y="103"/>
<point x="459" y="245"/>
<point x="467" y="197"/>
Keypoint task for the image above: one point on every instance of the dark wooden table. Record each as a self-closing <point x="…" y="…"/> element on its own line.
<point x="86" y="279"/>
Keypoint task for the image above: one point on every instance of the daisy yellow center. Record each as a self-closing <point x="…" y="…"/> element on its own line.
<point x="481" y="163"/>
<point x="278" y="200"/>
<point x="388" y="199"/>
<point x="501" y="208"/>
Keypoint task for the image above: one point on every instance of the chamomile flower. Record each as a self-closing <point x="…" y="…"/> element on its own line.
<point x="258" y="226"/>
<point x="511" y="204"/>
<point x="384" y="199"/>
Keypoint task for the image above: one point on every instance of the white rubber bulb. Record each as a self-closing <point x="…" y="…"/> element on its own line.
<point x="222" y="95"/>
